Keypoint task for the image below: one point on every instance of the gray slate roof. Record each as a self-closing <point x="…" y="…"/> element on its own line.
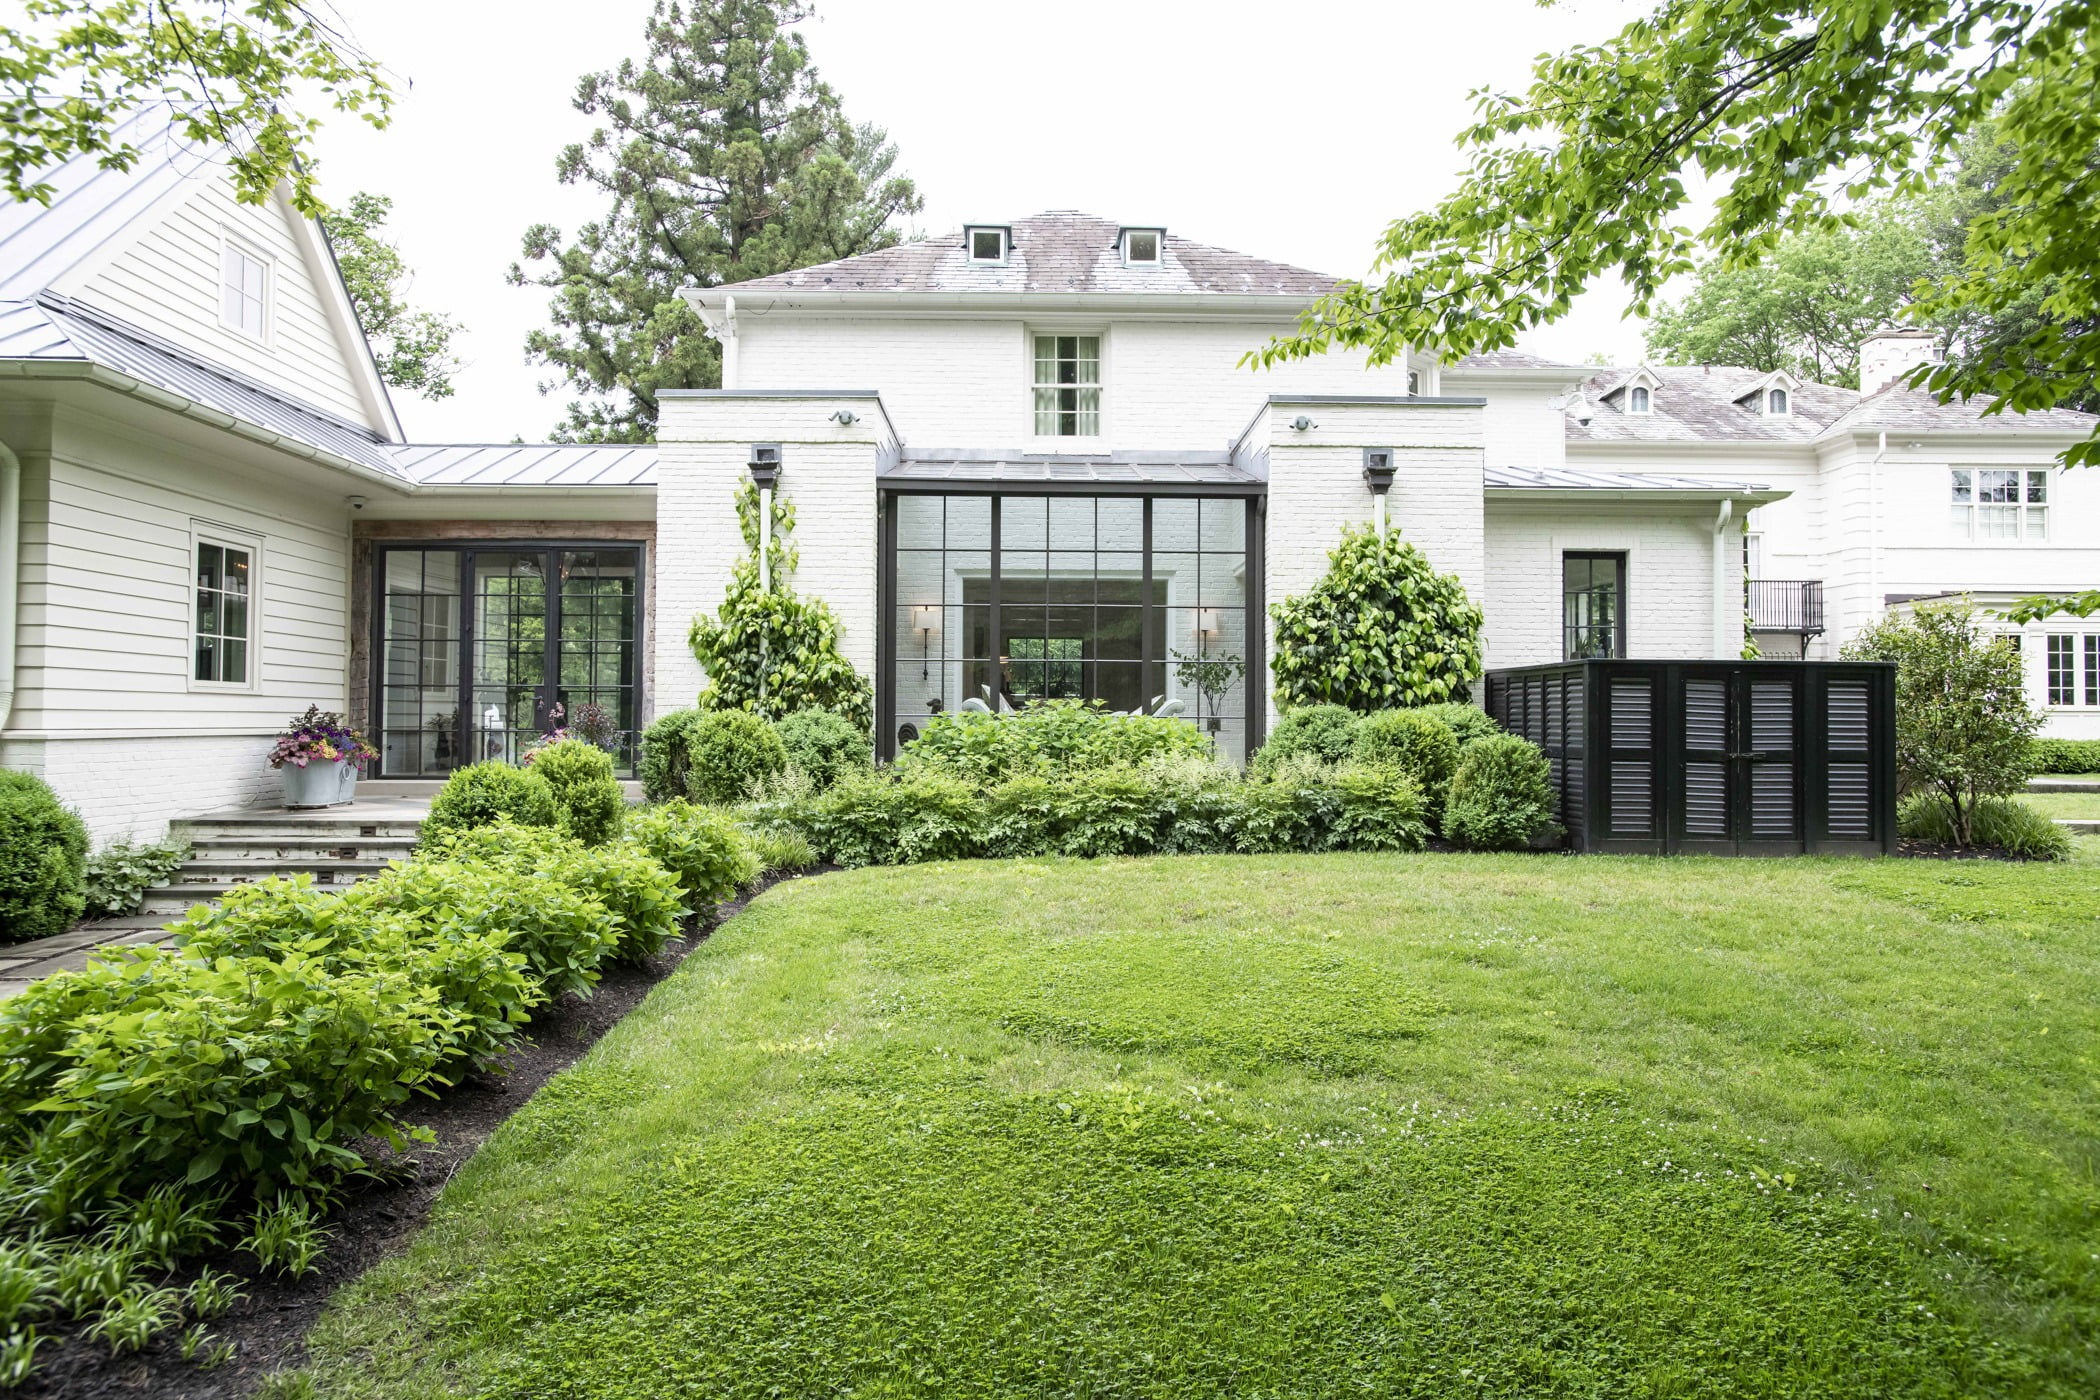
<point x="1507" y="359"/>
<point x="1697" y="403"/>
<point x="1062" y="251"/>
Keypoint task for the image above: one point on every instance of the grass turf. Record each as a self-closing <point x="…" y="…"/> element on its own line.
<point x="2064" y="804"/>
<point x="1303" y="1126"/>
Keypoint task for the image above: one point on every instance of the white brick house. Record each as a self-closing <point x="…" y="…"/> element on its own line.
<point x="1025" y="459"/>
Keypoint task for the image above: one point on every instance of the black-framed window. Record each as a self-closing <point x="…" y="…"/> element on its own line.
<point x="1138" y="602"/>
<point x="1592" y="605"/>
<point x="223" y="596"/>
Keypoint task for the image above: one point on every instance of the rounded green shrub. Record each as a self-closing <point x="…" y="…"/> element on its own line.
<point x="824" y="747"/>
<point x="563" y="933"/>
<point x="482" y="794"/>
<point x="43" y="860"/>
<point x="733" y="753"/>
<point x="1466" y="722"/>
<point x="1322" y="732"/>
<point x="2067" y="755"/>
<point x="1050" y="737"/>
<point x="1417" y="744"/>
<point x="587" y="798"/>
<point x="1377" y="808"/>
<point x="711" y="858"/>
<point x="1501" y="795"/>
<point x="665" y="760"/>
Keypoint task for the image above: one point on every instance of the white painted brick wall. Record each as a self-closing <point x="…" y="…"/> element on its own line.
<point x="130" y="789"/>
<point x="1669" y="584"/>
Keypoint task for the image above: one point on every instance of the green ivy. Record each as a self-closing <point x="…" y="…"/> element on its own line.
<point x="768" y="650"/>
<point x="1382" y="630"/>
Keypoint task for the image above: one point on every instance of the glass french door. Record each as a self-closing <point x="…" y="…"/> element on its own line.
<point x="485" y="649"/>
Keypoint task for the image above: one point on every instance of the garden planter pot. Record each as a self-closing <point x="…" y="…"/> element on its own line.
<point x="320" y="784"/>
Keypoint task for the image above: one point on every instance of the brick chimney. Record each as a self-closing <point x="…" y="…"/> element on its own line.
<point x="1887" y="355"/>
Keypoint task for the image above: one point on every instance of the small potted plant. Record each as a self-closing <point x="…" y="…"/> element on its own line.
<point x="319" y="756"/>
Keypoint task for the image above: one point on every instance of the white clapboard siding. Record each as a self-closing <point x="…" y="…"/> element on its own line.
<point x="168" y="283"/>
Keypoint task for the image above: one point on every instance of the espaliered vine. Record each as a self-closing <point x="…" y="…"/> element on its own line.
<point x="1382" y="630"/>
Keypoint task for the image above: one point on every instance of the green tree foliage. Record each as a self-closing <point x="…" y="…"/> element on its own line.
<point x="1964" y="729"/>
<point x="1785" y="108"/>
<point x="769" y="650"/>
<point x="413" y="348"/>
<point x="234" y="75"/>
<point x="722" y="157"/>
<point x="43" y="860"/>
<point x="1806" y="308"/>
<point x="1382" y="629"/>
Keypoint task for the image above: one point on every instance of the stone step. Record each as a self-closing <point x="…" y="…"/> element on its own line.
<point x="2046" y="784"/>
<point x="172" y="901"/>
<point x="2080" y="826"/>
<point x="339" y="831"/>
<point x="303" y="852"/>
<point x="242" y="870"/>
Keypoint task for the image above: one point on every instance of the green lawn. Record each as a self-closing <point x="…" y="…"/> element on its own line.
<point x="1303" y="1126"/>
<point x="2064" y="804"/>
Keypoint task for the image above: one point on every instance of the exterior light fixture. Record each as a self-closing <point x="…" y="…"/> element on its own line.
<point x="845" y="418"/>
<point x="1378" y="475"/>
<point x="1206" y="622"/>
<point x="765" y="474"/>
<point x="925" y="620"/>
<point x="1303" y="424"/>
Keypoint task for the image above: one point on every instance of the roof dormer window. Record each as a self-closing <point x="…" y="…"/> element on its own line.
<point x="1638" y="400"/>
<point x="1777" y="404"/>
<point x="1142" y="246"/>
<point x="987" y="243"/>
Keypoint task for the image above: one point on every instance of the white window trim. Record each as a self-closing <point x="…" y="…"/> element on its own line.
<point x="1647" y="401"/>
<point x="1159" y="248"/>
<point x="970" y="245"/>
<point x="229" y="241"/>
<point x="202" y="533"/>
<point x="2080" y="641"/>
<point x="1788" y="394"/>
<point x="1077" y="442"/>
<point x="1965" y="534"/>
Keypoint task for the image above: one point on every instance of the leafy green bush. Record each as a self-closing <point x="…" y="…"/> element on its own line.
<point x="732" y="754"/>
<point x="1378" y="809"/>
<point x="710" y="856"/>
<point x="1050" y="737"/>
<point x="888" y="819"/>
<point x="43" y="860"/>
<point x="563" y="934"/>
<point x="822" y="746"/>
<point x="484" y="793"/>
<point x="1466" y="722"/>
<point x="474" y="970"/>
<point x="1964" y="729"/>
<point x="1323" y="732"/>
<point x="1501" y="796"/>
<point x="587" y="798"/>
<point x="665" y="760"/>
<point x="643" y="898"/>
<point x="2012" y="827"/>
<point x="1381" y="629"/>
<point x="2067" y="755"/>
<point x="119" y="874"/>
<point x="770" y="652"/>
<point x="1413" y="742"/>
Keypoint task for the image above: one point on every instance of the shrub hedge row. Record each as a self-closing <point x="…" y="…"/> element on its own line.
<point x="2067" y="755"/>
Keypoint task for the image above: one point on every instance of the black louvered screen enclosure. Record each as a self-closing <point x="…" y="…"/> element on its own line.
<point x="1715" y="757"/>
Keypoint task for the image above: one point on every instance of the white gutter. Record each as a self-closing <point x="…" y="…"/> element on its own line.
<point x="10" y="570"/>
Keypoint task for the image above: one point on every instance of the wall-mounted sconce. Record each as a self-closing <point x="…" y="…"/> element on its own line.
<point x="925" y="619"/>
<point x="1206" y="622"/>
<point x="1378" y="475"/>
<point x="765" y="474"/>
<point x="1303" y="424"/>
<point x="845" y="418"/>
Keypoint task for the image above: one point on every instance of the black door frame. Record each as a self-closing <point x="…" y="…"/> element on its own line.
<point x="463" y="681"/>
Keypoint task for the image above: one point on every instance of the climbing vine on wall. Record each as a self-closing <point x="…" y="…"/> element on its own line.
<point x="769" y="650"/>
<point x="1382" y="630"/>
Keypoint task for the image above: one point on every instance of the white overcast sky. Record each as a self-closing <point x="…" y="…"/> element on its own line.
<point x="1290" y="131"/>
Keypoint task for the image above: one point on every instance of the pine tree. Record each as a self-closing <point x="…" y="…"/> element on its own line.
<point x="724" y="157"/>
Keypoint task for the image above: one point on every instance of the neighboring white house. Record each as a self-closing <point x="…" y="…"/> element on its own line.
<point x="1026" y="459"/>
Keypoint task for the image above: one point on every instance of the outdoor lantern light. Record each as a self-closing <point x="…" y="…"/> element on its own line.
<point x="1378" y="475"/>
<point x="765" y="473"/>
<point x="1206" y="622"/>
<point x="925" y="617"/>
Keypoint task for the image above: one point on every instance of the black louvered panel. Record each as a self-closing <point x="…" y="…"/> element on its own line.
<point x="1847" y="725"/>
<point x="1632" y="797"/>
<point x="1574" y="693"/>
<point x="1706" y="715"/>
<point x="1574" y="796"/>
<point x="1631" y="720"/>
<point x="1706" y="799"/>
<point x="1771" y="800"/>
<point x="1771" y="716"/>
<point x="1850" y="812"/>
<point x="1555" y="735"/>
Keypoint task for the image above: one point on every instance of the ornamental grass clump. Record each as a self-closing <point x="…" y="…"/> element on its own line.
<point x="1501" y="795"/>
<point x="43" y="860"/>
<point x="2004" y="824"/>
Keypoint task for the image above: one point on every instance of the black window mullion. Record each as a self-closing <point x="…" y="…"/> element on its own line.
<point x="1147" y="637"/>
<point x="998" y="635"/>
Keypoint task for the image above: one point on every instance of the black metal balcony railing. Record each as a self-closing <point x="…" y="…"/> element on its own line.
<point x="1785" y="604"/>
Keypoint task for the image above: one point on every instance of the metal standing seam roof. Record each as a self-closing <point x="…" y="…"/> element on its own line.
<point x="530" y="464"/>
<point x="1577" y="479"/>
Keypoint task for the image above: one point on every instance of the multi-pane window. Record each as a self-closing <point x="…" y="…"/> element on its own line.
<point x="1996" y="505"/>
<point x="1593" y="605"/>
<point x="1637" y="400"/>
<point x="244" y="290"/>
<point x="1068" y="386"/>
<point x="2092" y="668"/>
<point x="1776" y="403"/>
<point x="223" y="620"/>
<point x="2063" y="670"/>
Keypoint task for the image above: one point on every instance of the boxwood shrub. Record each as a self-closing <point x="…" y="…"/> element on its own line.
<point x="1415" y="743"/>
<point x="43" y="860"/>
<point x="732" y="755"/>
<point x="1467" y="723"/>
<point x="823" y="747"/>
<point x="588" y="802"/>
<point x="1051" y="737"/>
<point x="664" y="760"/>
<point x="1321" y="732"/>
<point x="2067" y="755"/>
<point x="1501" y="796"/>
<point x="484" y="793"/>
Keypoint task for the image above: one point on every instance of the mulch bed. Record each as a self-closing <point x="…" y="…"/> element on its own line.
<point x="378" y="1217"/>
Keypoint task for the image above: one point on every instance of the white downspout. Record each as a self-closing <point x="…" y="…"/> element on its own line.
<point x="10" y="572"/>
<point x="1728" y="622"/>
<point x="1874" y="530"/>
<point x="729" y="343"/>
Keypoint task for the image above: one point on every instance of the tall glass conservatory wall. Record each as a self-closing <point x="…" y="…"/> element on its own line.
<point x="1137" y="601"/>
